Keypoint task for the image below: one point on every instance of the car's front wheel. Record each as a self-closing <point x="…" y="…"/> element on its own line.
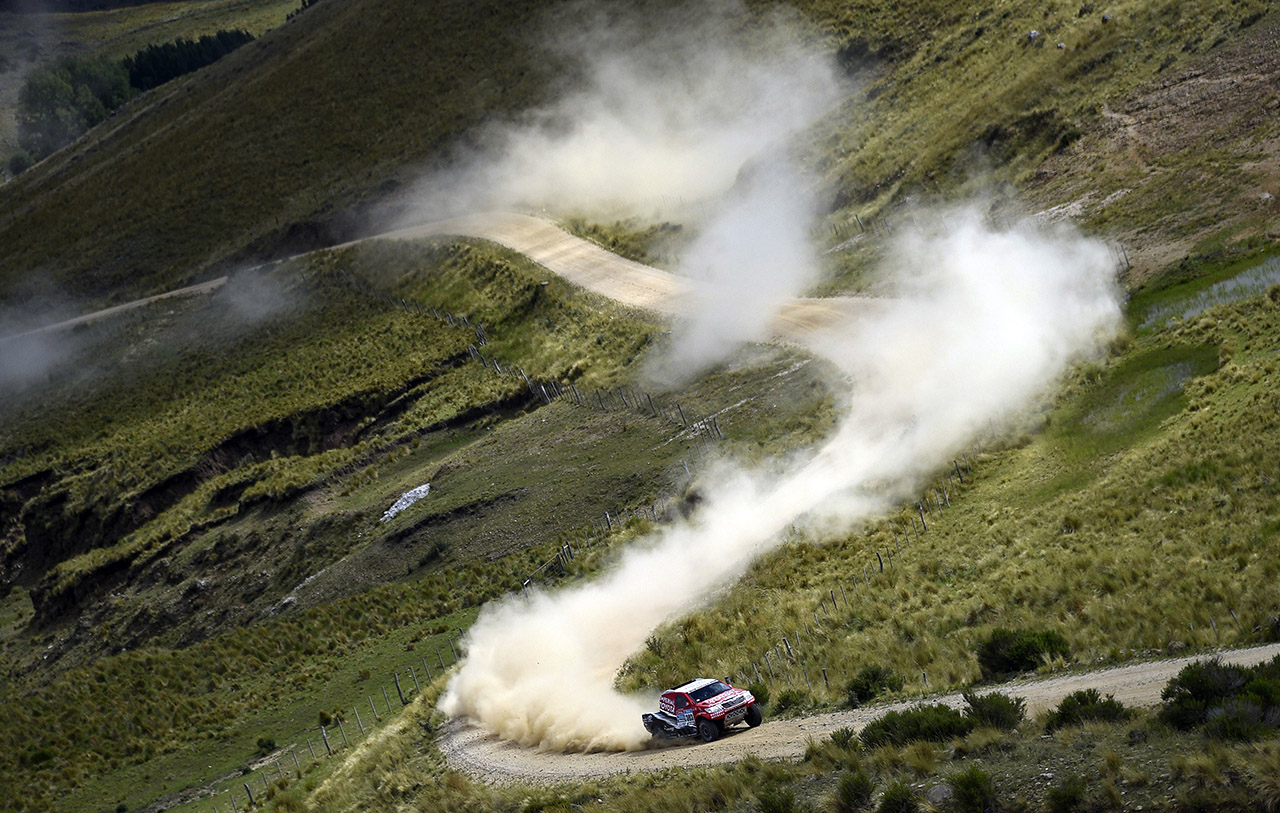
<point x="754" y="716"/>
<point x="708" y="731"/>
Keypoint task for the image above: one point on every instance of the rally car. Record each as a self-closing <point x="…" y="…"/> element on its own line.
<point x="702" y="708"/>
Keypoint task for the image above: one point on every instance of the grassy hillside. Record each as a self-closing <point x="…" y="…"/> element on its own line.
<point x="262" y="149"/>
<point x="29" y="40"/>
<point x="192" y="551"/>
<point x="226" y="496"/>
<point x="338" y="108"/>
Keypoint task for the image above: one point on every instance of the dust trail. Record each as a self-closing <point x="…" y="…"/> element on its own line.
<point x="982" y="322"/>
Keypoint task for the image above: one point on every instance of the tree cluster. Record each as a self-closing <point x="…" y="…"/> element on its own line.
<point x="157" y="64"/>
<point x="60" y="101"/>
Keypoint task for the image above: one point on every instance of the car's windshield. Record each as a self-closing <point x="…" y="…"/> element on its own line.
<point x="710" y="690"/>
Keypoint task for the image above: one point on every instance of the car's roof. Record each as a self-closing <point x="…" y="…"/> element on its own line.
<point x="693" y="685"/>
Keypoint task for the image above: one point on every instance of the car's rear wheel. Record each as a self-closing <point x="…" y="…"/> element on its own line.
<point x="708" y="730"/>
<point x="754" y="716"/>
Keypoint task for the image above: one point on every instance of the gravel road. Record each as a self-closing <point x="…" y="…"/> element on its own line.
<point x="473" y="751"/>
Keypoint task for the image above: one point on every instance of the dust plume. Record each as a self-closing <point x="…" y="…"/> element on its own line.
<point x="752" y="254"/>
<point x="663" y="111"/>
<point x="981" y="323"/>
<point x="690" y="114"/>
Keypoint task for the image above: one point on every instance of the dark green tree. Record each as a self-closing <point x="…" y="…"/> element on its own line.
<point x="60" y="101"/>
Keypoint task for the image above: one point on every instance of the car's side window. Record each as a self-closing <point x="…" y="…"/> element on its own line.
<point x="681" y="701"/>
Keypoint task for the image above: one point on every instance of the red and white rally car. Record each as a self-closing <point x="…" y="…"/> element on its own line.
<point x="702" y="707"/>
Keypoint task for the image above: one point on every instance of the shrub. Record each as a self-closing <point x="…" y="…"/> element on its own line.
<point x="787" y="699"/>
<point x="1200" y="685"/>
<point x="1084" y="706"/>
<point x="974" y="791"/>
<point x="870" y="682"/>
<point x="1236" y="719"/>
<point x="1067" y="796"/>
<point x="995" y="710"/>
<point x="20" y="162"/>
<point x="266" y="745"/>
<point x="853" y="792"/>
<point x="1008" y="652"/>
<point x="845" y="738"/>
<point x="761" y="692"/>
<point x="898" y="798"/>
<point x="935" y="723"/>
<point x="1230" y="702"/>
<point x="157" y="64"/>
<point x="777" y="800"/>
<point x="326" y="719"/>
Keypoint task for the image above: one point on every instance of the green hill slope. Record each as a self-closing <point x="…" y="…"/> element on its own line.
<point x="191" y="543"/>
<point x="281" y="145"/>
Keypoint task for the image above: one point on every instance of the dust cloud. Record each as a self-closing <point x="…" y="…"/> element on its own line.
<point x="982" y="322"/>
<point x="691" y="114"/>
<point x="662" y="114"/>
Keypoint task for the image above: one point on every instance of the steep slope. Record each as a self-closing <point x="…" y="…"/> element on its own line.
<point x="257" y="151"/>
<point x="288" y="142"/>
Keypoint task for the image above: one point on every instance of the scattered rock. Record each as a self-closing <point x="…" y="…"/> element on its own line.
<point x="1137" y="735"/>
<point x="1174" y="647"/>
<point x="1062" y="46"/>
<point x="1032" y="36"/>
<point x="939" y="794"/>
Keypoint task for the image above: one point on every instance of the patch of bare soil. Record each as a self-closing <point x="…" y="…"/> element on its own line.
<point x="1196" y="152"/>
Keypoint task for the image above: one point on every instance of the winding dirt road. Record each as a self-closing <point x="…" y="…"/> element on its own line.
<point x="576" y="260"/>
<point x="474" y="751"/>
<point x="484" y="757"/>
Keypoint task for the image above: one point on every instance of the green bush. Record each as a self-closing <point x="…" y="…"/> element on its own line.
<point x="1067" y="796"/>
<point x="777" y="800"/>
<point x="156" y="64"/>
<point x="898" y="798"/>
<point x="853" y="792"/>
<point x="761" y="692"/>
<point x="1200" y="685"/>
<point x="1229" y="702"/>
<point x="20" y="162"/>
<point x="1085" y="706"/>
<point x="788" y="699"/>
<point x="935" y="723"/>
<point x="1009" y="652"/>
<point x="974" y="791"/>
<point x="266" y="745"/>
<point x="869" y="683"/>
<point x="995" y="710"/>
<point x="845" y="738"/>
<point x="1237" y="719"/>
